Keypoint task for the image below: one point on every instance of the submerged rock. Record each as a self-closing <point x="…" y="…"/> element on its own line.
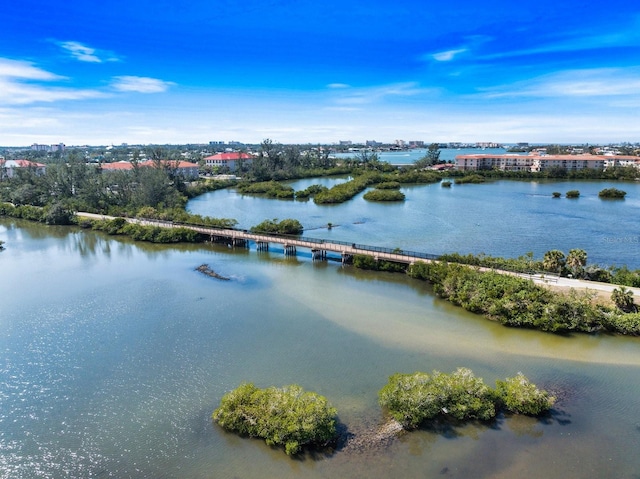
<point x="204" y="269"/>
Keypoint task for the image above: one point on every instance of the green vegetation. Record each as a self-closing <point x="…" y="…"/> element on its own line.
<point x="286" y="416"/>
<point x="271" y="189"/>
<point x="177" y="215"/>
<point x="1" y="245"/>
<point x="310" y="191"/>
<point x="367" y="262"/>
<point x="384" y="195"/>
<point x="345" y="191"/>
<point x="522" y="264"/>
<point x="518" y="302"/>
<point x="572" y="194"/>
<point x="475" y="178"/>
<point x="152" y="234"/>
<point x="623" y="299"/>
<point x="446" y="184"/>
<point x="431" y="158"/>
<point x="51" y="214"/>
<point x="518" y="395"/>
<point x="612" y="194"/>
<point x="285" y="227"/>
<point x="388" y="185"/>
<point x="412" y="399"/>
<point x="556" y="194"/>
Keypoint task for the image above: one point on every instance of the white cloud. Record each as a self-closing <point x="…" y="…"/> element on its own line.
<point x="358" y="96"/>
<point x="140" y="84"/>
<point x="599" y="82"/>
<point x="581" y="40"/>
<point x="20" y="84"/>
<point x="337" y="85"/>
<point x="448" y="55"/>
<point x="17" y="69"/>
<point x="84" y="53"/>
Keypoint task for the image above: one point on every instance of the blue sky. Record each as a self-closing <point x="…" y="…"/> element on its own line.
<point x="111" y="72"/>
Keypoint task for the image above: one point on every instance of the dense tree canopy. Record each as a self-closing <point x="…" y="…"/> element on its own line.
<point x="286" y="416"/>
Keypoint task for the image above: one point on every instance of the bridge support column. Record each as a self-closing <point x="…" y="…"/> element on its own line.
<point x="262" y="246"/>
<point x="289" y="250"/>
<point x="318" y="254"/>
<point x="239" y="242"/>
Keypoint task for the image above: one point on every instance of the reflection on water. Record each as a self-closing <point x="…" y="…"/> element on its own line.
<point x="114" y="355"/>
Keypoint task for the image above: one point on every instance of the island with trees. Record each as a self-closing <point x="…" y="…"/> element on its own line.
<point x="287" y="416"/>
<point x="301" y="421"/>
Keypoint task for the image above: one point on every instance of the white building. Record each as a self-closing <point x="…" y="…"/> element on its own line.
<point x="537" y="162"/>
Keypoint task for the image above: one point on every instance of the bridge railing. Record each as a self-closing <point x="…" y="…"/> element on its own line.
<point x="317" y="241"/>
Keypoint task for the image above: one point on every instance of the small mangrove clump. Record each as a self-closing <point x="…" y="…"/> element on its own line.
<point x="284" y="227"/>
<point x="612" y="194"/>
<point x="470" y="179"/>
<point x="446" y="184"/>
<point x="384" y="195"/>
<point x="412" y="399"/>
<point x="286" y="416"/>
<point x="572" y="194"/>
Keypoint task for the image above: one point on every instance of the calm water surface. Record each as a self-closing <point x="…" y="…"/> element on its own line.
<point x="501" y="218"/>
<point x="114" y="355"/>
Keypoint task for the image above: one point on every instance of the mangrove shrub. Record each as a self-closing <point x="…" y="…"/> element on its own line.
<point x="612" y="194"/>
<point x="518" y="395"/>
<point x="286" y="416"/>
<point x="412" y="399"/>
<point x="384" y="195"/>
<point x="285" y="227"/>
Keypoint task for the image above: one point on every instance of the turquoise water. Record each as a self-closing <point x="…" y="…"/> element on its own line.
<point x="114" y="355"/>
<point x="501" y="218"/>
<point x="409" y="157"/>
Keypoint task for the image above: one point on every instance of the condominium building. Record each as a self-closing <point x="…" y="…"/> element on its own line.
<point x="537" y="162"/>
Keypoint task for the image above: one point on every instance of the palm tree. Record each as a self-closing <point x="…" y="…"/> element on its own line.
<point x="553" y="260"/>
<point x="576" y="261"/>
<point x="623" y="299"/>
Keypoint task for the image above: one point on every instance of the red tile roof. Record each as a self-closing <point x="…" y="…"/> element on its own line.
<point x="127" y="165"/>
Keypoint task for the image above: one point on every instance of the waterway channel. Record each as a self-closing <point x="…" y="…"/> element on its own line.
<point x="115" y="353"/>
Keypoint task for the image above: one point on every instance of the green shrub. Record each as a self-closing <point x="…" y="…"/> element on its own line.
<point x="345" y="191"/>
<point x="285" y="416"/>
<point x="446" y="184"/>
<point x="518" y="395"/>
<point x="272" y="189"/>
<point x="612" y="194"/>
<point x="288" y="226"/>
<point x="556" y="194"/>
<point x="388" y="185"/>
<point x="414" y="398"/>
<point x="628" y="324"/>
<point x="511" y="300"/>
<point x="367" y="262"/>
<point x="310" y="191"/>
<point x="572" y="194"/>
<point x="470" y="179"/>
<point x="384" y="195"/>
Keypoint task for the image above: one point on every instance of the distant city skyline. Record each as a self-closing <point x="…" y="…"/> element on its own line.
<point x="163" y="72"/>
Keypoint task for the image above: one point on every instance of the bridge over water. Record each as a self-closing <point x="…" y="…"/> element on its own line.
<point x="318" y="247"/>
